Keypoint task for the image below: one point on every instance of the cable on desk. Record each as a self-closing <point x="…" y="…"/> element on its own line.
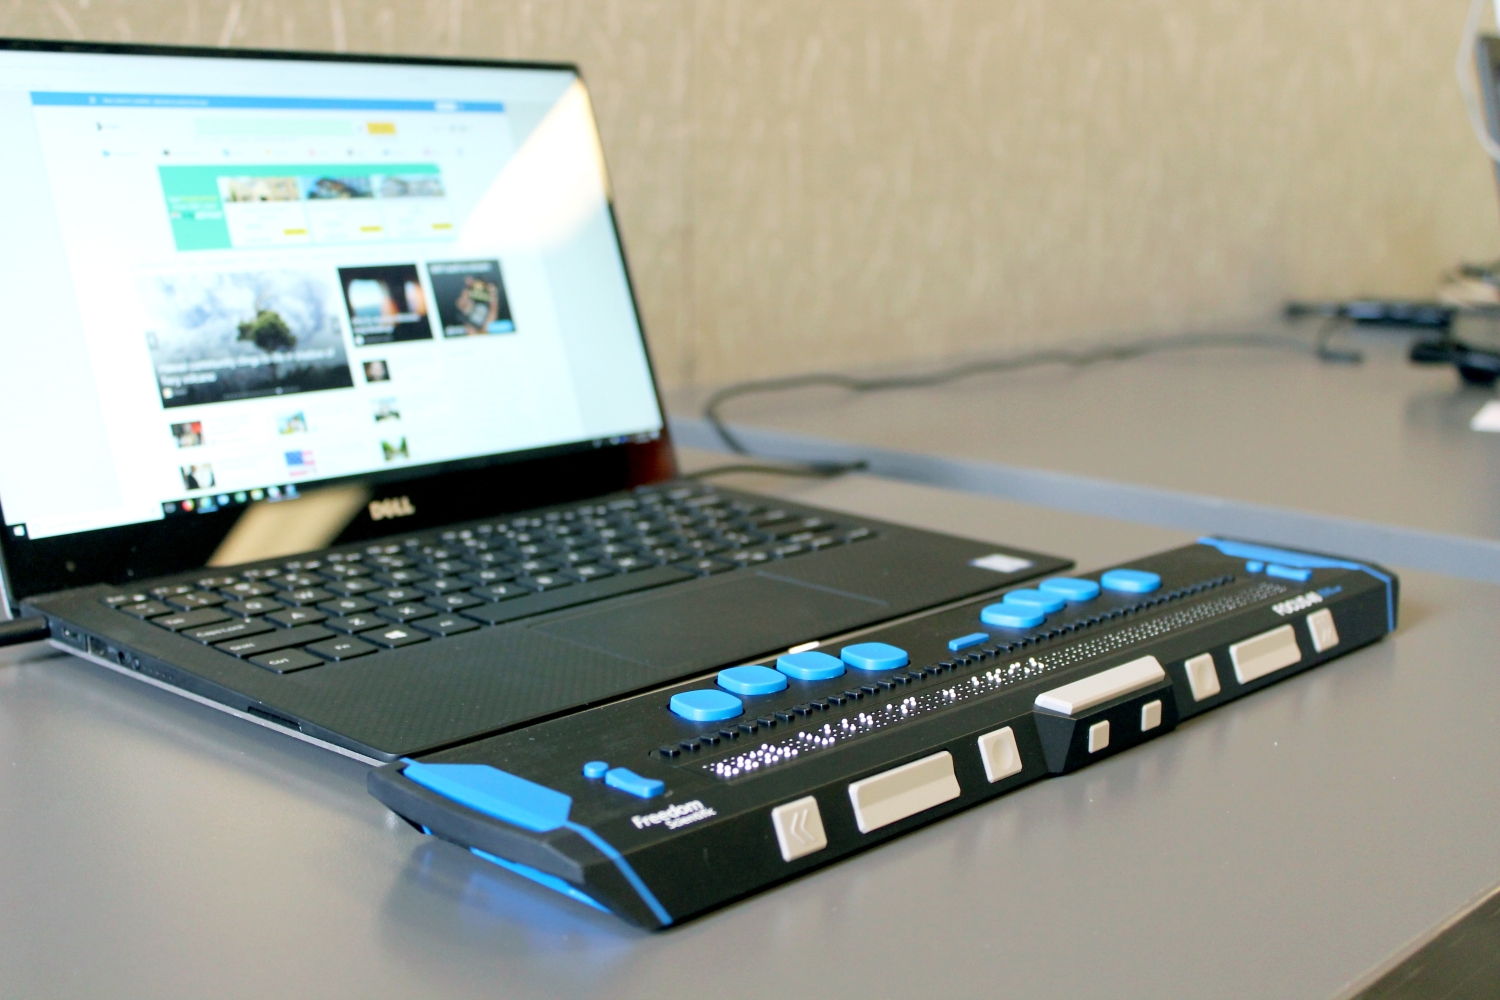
<point x="1074" y="358"/>
<point x="19" y="630"/>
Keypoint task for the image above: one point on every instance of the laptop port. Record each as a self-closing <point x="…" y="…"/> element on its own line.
<point x="97" y="647"/>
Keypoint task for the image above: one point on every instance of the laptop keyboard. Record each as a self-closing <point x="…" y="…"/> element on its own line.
<point x="354" y="602"/>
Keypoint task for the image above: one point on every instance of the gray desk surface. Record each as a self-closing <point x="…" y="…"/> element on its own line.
<point x="1247" y="441"/>
<point x="150" y="847"/>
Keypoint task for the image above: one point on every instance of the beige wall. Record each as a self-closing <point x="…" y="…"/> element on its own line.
<point x="814" y="183"/>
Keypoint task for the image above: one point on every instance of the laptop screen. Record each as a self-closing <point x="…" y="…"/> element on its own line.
<point x="229" y="279"/>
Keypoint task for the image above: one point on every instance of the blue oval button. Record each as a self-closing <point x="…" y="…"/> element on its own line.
<point x="1070" y="588"/>
<point x="1039" y="599"/>
<point x="874" y="656"/>
<point x="810" y="665"/>
<point x="1131" y="581"/>
<point x="595" y="769"/>
<point x="751" y="680"/>
<point x="1012" y="615"/>
<point x="707" y="705"/>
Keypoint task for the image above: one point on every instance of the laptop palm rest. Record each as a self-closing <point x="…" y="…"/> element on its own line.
<point x="739" y="617"/>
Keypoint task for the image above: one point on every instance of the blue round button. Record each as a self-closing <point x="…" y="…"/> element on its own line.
<point x="1039" y="599"/>
<point x="1012" y="615"/>
<point x="751" y="680"/>
<point x="595" y="769"/>
<point x="874" y="656"/>
<point x="1070" y="588"/>
<point x="810" y="665"/>
<point x="1130" y="581"/>
<point x="706" y="705"/>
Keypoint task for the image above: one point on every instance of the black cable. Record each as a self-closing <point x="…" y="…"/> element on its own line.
<point x="1076" y="358"/>
<point x="19" y="630"/>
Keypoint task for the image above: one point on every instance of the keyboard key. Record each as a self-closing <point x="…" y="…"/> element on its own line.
<point x="445" y="625"/>
<point x="254" y="606"/>
<point x="448" y="567"/>
<point x="627" y="564"/>
<point x="489" y="575"/>
<point x="173" y="590"/>
<point x="353" y="585"/>
<point x="145" y="609"/>
<point x="290" y="617"/>
<point x="705" y="567"/>
<point x="396" y="595"/>
<point x="215" y="582"/>
<point x="246" y="588"/>
<point x="444" y="585"/>
<point x="233" y="629"/>
<point x="406" y="612"/>
<point x="304" y="595"/>
<point x="531" y="567"/>
<point x="344" y="648"/>
<point x="294" y="581"/>
<point x="195" y="599"/>
<point x="586" y="572"/>
<point x="119" y="600"/>
<point x="501" y="591"/>
<point x="544" y="581"/>
<point x="351" y="624"/>
<point x="748" y="557"/>
<point x="285" y="661"/>
<point x="182" y="620"/>
<point x="400" y="577"/>
<point x="261" y="574"/>
<point x="394" y="638"/>
<point x="453" y="602"/>
<point x="269" y="642"/>
<point x="346" y="605"/>
<point x="344" y="571"/>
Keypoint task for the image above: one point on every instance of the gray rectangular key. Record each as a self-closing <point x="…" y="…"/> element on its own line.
<point x="275" y="639"/>
<point x="229" y="630"/>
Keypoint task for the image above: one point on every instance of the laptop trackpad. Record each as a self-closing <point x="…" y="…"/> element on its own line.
<point x="702" y="627"/>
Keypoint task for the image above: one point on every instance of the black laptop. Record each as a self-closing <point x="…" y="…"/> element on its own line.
<point x="327" y="404"/>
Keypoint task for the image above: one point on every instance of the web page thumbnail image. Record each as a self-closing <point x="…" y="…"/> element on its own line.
<point x="470" y="298"/>
<point x="386" y="304"/>
<point x="220" y="337"/>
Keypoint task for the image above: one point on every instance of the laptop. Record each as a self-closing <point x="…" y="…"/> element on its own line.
<point x="327" y="404"/>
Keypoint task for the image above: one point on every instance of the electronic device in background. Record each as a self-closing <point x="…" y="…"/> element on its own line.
<point x="343" y="420"/>
<point x="667" y="804"/>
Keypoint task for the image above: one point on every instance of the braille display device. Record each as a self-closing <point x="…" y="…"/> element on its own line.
<point x="665" y="804"/>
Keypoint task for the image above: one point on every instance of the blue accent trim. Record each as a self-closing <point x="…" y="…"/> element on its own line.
<point x="603" y="846"/>
<point x="1297" y="573"/>
<point x="542" y="878"/>
<point x="70" y="98"/>
<point x="965" y="641"/>
<point x="1287" y="557"/>
<point x="495" y="793"/>
<point x="647" y="896"/>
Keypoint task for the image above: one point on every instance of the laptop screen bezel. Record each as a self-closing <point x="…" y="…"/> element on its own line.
<point x="441" y="494"/>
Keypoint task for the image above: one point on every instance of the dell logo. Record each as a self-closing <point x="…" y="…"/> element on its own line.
<point x="392" y="507"/>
